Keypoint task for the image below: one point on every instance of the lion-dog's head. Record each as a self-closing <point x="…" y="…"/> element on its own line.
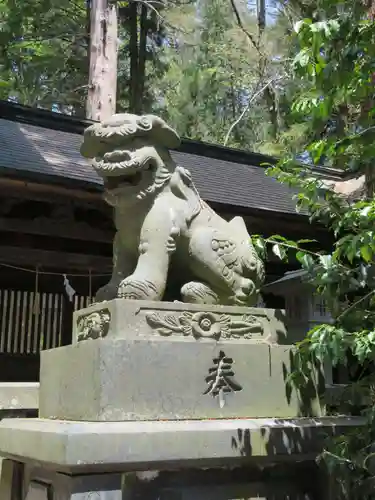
<point x="130" y="153"/>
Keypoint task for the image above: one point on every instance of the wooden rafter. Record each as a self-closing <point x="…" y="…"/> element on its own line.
<point x="56" y="229"/>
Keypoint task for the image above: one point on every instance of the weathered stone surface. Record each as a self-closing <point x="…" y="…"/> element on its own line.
<point x="179" y="361"/>
<point x="76" y="447"/>
<point x="175" y="378"/>
<point x="161" y="220"/>
<point x="139" y="319"/>
<point x="38" y="491"/>
<point x="19" y="395"/>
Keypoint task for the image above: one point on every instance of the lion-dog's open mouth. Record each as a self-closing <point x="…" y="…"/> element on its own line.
<point x="130" y="179"/>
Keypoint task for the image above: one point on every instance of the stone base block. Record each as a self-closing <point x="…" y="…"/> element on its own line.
<point x="99" y="447"/>
<point x="169" y="379"/>
<point x="19" y="396"/>
<point x="121" y="318"/>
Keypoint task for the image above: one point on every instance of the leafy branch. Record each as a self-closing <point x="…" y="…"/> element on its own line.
<point x="336" y="50"/>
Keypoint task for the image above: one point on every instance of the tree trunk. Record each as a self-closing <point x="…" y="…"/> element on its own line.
<point x="261" y="15"/>
<point x="133" y="55"/>
<point x="370" y="181"/>
<point x="137" y="55"/>
<point x="370" y="169"/>
<point x="101" y="99"/>
<point x="270" y="99"/>
<point x="141" y="76"/>
<point x="269" y="94"/>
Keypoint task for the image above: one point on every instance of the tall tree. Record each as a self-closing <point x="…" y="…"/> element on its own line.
<point x="142" y="36"/>
<point x="197" y="63"/>
<point x="43" y="53"/>
<point x="208" y="77"/>
<point x="102" y="88"/>
<point x="224" y="75"/>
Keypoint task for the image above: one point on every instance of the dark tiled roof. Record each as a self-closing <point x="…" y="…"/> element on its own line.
<point x="298" y="274"/>
<point x="48" y="152"/>
<point x="40" y="145"/>
<point x="43" y="151"/>
<point x="236" y="184"/>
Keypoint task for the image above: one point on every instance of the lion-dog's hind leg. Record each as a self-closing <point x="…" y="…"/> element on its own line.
<point x="251" y="263"/>
<point x="220" y="261"/>
<point x="196" y="292"/>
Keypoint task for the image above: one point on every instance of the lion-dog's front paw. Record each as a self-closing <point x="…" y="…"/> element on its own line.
<point x="107" y="292"/>
<point x="136" y="289"/>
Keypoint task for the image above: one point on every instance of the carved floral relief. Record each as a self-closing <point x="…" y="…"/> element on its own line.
<point x="205" y="325"/>
<point x="94" y="325"/>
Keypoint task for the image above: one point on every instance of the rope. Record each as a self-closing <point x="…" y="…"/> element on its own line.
<point x="50" y="273"/>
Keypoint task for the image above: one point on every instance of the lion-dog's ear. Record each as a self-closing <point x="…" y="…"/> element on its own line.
<point x="182" y="187"/>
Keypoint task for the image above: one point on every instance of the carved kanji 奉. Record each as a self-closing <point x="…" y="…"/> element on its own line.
<point x="220" y="379"/>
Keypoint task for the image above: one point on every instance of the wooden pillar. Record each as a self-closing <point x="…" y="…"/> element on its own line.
<point x="11" y="477"/>
<point x="67" y="321"/>
<point x="101" y="99"/>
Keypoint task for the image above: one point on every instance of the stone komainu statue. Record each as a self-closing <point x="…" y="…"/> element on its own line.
<point x="165" y="232"/>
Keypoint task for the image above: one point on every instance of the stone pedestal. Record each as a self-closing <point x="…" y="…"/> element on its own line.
<point x="168" y="401"/>
<point x="173" y="361"/>
<point x="117" y="380"/>
<point x="74" y="460"/>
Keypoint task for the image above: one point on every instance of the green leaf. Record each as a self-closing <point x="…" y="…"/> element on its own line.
<point x="283" y="241"/>
<point x="366" y="253"/>
<point x="260" y="246"/>
<point x="325" y="260"/>
<point x="278" y="237"/>
<point x="301" y="242"/>
<point x="305" y="259"/>
<point x="302" y="59"/>
<point x="366" y="210"/>
<point x="279" y="251"/>
<point x="300" y="24"/>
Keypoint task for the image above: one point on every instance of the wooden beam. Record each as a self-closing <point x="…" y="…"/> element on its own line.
<point x="47" y="189"/>
<point x="258" y="221"/>
<point x="64" y="261"/>
<point x="19" y="367"/>
<point x="56" y="229"/>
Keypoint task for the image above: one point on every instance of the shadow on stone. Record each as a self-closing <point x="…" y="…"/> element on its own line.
<point x="266" y="482"/>
<point x="308" y="391"/>
<point x="242" y="442"/>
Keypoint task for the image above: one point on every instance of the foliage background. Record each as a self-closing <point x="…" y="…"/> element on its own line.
<point x="204" y="60"/>
<point x="335" y="62"/>
<point x="295" y="79"/>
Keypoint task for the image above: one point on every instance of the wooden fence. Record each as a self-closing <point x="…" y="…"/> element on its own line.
<point x="31" y="322"/>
